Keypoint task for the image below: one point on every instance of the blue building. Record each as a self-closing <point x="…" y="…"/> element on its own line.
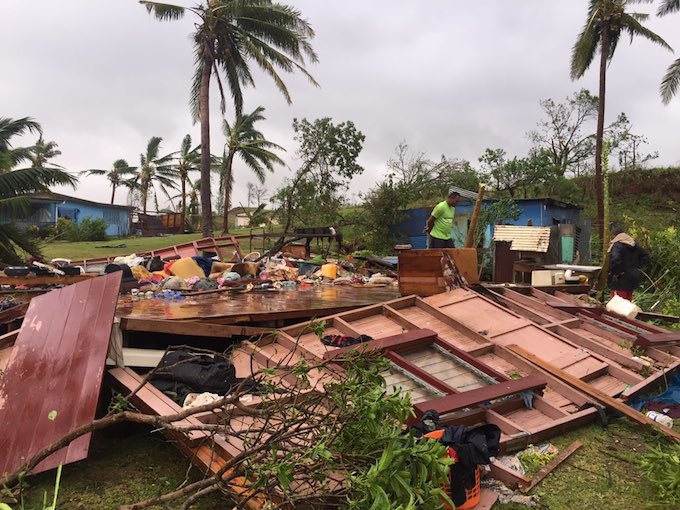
<point x="47" y="208"/>
<point x="539" y="212"/>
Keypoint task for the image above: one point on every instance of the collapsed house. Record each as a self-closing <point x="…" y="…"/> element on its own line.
<point x="531" y="363"/>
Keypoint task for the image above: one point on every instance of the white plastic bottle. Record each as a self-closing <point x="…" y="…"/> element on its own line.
<point x="661" y="418"/>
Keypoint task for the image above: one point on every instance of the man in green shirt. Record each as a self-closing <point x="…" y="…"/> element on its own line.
<point x="440" y="224"/>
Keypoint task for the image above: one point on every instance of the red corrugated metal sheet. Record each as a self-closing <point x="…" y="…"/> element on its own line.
<point x="52" y="382"/>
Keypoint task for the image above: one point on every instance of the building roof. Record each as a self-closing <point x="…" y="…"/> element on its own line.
<point x="58" y="197"/>
<point x="536" y="239"/>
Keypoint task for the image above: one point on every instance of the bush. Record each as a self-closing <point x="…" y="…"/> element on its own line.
<point x="89" y="229"/>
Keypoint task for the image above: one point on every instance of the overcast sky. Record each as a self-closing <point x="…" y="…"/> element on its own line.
<point x="447" y="76"/>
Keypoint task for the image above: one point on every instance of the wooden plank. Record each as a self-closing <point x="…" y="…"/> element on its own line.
<point x="45" y="280"/>
<point x="508" y="476"/>
<point x="550" y="466"/>
<point x="656" y="339"/>
<point x="8" y="338"/>
<point x="57" y="365"/>
<point x="189" y="328"/>
<point x="470" y="398"/>
<point x="603" y="398"/>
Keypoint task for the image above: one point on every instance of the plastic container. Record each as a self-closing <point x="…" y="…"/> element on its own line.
<point x="329" y="271"/>
<point x="623" y="307"/>
<point x="661" y="419"/>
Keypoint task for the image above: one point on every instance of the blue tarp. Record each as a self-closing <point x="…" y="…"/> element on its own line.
<point x="670" y="396"/>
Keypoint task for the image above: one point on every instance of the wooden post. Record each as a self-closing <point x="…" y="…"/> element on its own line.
<point x="596" y="394"/>
<point x="474" y="218"/>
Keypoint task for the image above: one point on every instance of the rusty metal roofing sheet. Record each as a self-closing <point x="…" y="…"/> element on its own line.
<point x="535" y="239"/>
<point x="51" y="385"/>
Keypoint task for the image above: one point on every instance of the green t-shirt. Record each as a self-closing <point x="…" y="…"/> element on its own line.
<point x="443" y="220"/>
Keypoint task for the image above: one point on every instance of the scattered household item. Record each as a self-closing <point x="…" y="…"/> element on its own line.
<point x="17" y="271"/>
<point x="661" y="418"/>
<point x="623" y="307"/>
<point x="186" y="267"/>
<point x="329" y="271"/>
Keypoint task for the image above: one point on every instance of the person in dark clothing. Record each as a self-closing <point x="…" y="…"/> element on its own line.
<point x="626" y="259"/>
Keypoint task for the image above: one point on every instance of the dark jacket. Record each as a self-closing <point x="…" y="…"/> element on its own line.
<point x="624" y="266"/>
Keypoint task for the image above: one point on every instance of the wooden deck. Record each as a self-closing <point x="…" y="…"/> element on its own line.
<point x="258" y="307"/>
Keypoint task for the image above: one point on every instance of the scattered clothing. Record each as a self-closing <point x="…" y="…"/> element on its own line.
<point x="200" y="399"/>
<point x="182" y="372"/>
<point x="204" y="263"/>
<point x="205" y="284"/>
<point x="344" y="341"/>
<point x="186" y="268"/>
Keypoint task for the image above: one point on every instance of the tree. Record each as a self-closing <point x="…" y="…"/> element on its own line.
<point x="116" y="176"/>
<point x="561" y="133"/>
<point x="187" y="161"/>
<point x="42" y="152"/>
<point x="671" y="80"/>
<point x="607" y="20"/>
<point x="328" y="154"/>
<point x="527" y="174"/>
<point x="154" y="170"/>
<point x="255" y="193"/>
<point x="16" y="183"/>
<point x="230" y="34"/>
<point x="253" y="149"/>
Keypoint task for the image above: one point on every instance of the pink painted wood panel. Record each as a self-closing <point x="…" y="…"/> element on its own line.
<point x="56" y="368"/>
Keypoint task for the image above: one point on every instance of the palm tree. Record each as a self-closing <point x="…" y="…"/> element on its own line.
<point x="671" y="81"/>
<point x="42" y="152"/>
<point x="254" y="150"/>
<point x="154" y="170"/>
<point x="230" y="34"/>
<point x="16" y="183"/>
<point x="11" y="156"/>
<point x="607" y="20"/>
<point x="187" y="161"/>
<point x="116" y="176"/>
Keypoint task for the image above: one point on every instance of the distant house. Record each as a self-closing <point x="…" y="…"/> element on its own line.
<point x="239" y="217"/>
<point x="47" y="208"/>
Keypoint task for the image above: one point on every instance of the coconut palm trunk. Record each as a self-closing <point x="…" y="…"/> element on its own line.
<point x="228" y="184"/>
<point x="113" y="193"/>
<point x="204" y="115"/>
<point x="184" y="202"/>
<point x="599" y="137"/>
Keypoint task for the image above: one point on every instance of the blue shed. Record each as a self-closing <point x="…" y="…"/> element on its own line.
<point x="47" y="208"/>
<point x="539" y="212"/>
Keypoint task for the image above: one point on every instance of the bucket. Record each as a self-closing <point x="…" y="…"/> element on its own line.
<point x="623" y="307"/>
<point x="329" y="271"/>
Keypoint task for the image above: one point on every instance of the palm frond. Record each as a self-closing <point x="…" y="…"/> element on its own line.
<point x="93" y="171"/>
<point x="16" y="206"/>
<point x="14" y="240"/>
<point x="10" y="128"/>
<point x="668" y="7"/>
<point x="29" y="180"/>
<point x="671" y="82"/>
<point x="584" y="49"/>
<point x="164" y="12"/>
<point x="634" y="27"/>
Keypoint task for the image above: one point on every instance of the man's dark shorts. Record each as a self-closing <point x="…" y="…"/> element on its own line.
<point x="435" y="243"/>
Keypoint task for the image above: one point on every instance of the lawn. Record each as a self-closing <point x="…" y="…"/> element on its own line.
<point x="128" y="463"/>
<point x="96" y="249"/>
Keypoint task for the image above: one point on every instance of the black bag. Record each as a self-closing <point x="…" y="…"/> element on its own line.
<point x="181" y="372"/>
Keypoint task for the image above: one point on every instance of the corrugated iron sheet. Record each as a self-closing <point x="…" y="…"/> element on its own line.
<point x="523" y="238"/>
<point x="51" y="385"/>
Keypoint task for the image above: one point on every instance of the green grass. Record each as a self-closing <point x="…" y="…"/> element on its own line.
<point x="88" y="249"/>
<point x="126" y="464"/>
<point x="603" y="473"/>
